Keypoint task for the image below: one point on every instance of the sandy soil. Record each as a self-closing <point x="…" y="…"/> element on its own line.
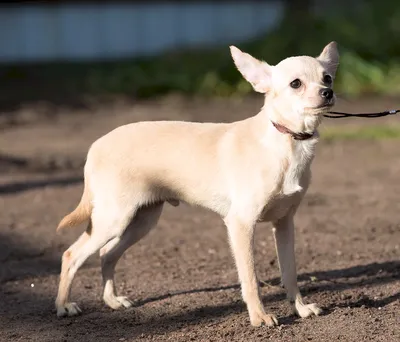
<point x="181" y="276"/>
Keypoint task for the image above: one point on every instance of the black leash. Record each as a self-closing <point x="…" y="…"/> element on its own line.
<point x="339" y="115"/>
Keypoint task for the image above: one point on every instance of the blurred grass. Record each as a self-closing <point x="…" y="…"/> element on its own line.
<point x="368" y="38"/>
<point x="380" y="132"/>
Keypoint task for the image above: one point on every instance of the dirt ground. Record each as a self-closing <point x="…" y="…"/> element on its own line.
<point x="181" y="276"/>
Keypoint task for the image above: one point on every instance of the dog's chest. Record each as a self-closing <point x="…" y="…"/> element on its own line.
<point x="298" y="163"/>
<point x="293" y="181"/>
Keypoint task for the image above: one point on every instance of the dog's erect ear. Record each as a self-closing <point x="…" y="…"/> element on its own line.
<point x="330" y="57"/>
<point x="256" y="72"/>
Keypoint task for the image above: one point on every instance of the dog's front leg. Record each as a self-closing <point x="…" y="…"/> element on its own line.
<point x="241" y="236"/>
<point x="284" y="243"/>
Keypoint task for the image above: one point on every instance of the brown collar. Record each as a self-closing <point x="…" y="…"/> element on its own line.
<point x="295" y="136"/>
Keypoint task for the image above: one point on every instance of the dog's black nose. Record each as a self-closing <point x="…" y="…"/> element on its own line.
<point x="326" y="93"/>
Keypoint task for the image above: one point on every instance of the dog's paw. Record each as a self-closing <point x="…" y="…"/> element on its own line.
<point x="306" y="310"/>
<point x="68" y="309"/>
<point x="258" y="319"/>
<point x="118" y="302"/>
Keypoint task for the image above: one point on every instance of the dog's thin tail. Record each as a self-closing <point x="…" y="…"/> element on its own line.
<point x="81" y="213"/>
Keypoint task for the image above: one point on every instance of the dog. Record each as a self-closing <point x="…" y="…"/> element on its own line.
<point x="253" y="170"/>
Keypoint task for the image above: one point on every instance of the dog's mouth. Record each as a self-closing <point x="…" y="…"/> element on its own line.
<point x="322" y="108"/>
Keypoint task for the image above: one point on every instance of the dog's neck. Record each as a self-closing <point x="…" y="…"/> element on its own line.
<point x="303" y="128"/>
<point x="296" y="136"/>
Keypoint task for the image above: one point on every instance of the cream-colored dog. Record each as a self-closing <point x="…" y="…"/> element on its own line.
<point x="253" y="170"/>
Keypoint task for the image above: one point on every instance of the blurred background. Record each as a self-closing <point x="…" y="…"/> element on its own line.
<point x="62" y="51"/>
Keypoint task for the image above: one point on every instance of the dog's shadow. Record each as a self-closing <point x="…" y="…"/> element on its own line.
<point x="132" y="323"/>
<point x="379" y="273"/>
<point x="324" y="281"/>
<point x="327" y="281"/>
<point x="20" y="261"/>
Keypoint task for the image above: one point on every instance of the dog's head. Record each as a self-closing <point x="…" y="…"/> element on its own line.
<point x="297" y="86"/>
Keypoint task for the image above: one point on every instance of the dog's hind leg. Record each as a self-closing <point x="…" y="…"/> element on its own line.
<point x="145" y="218"/>
<point x="63" y="307"/>
<point x="105" y="227"/>
<point x="284" y="242"/>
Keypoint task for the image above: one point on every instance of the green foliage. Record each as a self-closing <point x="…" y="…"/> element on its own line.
<point x="367" y="37"/>
<point x="379" y="132"/>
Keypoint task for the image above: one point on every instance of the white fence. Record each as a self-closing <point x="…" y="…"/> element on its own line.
<point x="115" y="30"/>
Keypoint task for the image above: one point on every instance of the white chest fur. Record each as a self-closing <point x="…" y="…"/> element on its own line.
<point x="299" y="160"/>
<point x="295" y="179"/>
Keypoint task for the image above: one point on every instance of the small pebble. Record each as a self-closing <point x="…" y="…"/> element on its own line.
<point x="32" y="285"/>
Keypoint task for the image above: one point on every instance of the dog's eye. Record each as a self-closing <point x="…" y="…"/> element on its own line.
<point x="327" y="79"/>
<point x="295" y="84"/>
